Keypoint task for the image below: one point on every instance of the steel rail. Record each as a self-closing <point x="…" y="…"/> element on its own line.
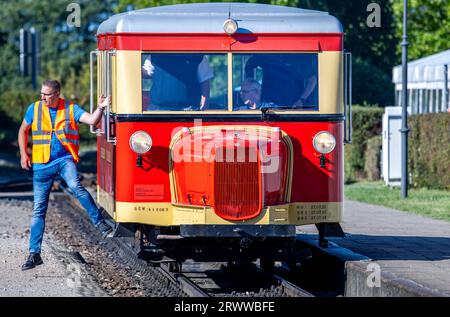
<point x="189" y="287"/>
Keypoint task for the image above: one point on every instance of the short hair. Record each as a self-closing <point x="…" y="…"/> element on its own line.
<point x="54" y="84"/>
<point x="254" y="83"/>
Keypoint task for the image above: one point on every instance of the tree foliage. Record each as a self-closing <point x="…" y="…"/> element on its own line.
<point x="64" y="49"/>
<point x="428" y="26"/>
<point x="373" y="48"/>
<point x="140" y="4"/>
<point x="64" y="53"/>
<point x="375" y="45"/>
<point x="370" y="84"/>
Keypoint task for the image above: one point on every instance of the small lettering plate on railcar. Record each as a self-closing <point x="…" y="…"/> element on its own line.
<point x="146" y="191"/>
<point x="307" y="213"/>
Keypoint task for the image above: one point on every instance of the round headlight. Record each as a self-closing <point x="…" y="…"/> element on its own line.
<point x="324" y="142"/>
<point x="230" y="26"/>
<point x="140" y="142"/>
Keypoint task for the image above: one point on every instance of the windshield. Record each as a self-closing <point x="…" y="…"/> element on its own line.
<point x="275" y="81"/>
<point x="199" y="81"/>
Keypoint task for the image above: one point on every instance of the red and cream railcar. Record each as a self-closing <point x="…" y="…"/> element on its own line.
<point x="226" y="127"/>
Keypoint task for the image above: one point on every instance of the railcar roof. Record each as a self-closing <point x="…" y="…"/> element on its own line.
<point x="209" y="18"/>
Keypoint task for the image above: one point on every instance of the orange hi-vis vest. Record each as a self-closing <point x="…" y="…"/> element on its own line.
<point x="65" y="129"/>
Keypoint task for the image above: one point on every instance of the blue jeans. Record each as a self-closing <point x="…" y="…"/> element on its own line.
<point x="42" y="184"/>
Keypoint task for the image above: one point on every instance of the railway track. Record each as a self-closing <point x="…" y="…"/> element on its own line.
<point x="198" y="279"/>
<point x="194" y="280"/>
<point x="203" y="280"/>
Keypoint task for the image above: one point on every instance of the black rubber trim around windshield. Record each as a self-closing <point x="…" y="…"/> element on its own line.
<point x="270" y="117"/>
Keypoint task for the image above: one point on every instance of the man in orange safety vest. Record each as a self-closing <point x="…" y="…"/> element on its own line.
<point x="53" y="123"/>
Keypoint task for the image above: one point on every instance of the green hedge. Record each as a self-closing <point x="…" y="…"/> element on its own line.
<point x="373" y="158"/>
<point x="367" y="122"/>
<point x="429" y="150"/>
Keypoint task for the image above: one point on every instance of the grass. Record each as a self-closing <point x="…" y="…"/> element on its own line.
<point x="426" y="202"/>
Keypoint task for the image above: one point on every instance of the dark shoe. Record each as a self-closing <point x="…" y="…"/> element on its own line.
<point x="33" y="260"/>
<point x="105" y="229"/>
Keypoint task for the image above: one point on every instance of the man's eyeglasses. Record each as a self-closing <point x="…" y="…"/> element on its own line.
<point x="46" y="95"/>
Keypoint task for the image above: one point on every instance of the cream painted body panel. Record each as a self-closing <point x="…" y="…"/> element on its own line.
<point x="129" y="83"/>
<point x="168" y="214"/>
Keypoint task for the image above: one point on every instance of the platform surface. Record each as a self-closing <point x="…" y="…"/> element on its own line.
<point x="411" y="250"/>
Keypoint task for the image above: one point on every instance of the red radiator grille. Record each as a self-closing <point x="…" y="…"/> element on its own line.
<point x="238" y="188"/>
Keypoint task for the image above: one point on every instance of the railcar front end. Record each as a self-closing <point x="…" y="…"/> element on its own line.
<point x="191" y="166"/>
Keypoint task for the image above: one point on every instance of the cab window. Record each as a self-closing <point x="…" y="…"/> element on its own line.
<point x="275" y="80"/>
<point x="184" y="81"/>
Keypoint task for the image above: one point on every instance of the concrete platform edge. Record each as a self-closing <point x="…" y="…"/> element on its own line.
<point x="357" y="277"/>
<point x="362" y="281"/>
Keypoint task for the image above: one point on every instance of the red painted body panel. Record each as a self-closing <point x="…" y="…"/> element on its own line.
<point x="229" y="170"/>
<point x="105" y="164"/>
<point x="310" y="182"/>
<point x="221" y="42"/>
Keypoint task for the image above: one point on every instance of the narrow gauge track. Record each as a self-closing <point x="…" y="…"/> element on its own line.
<point x="195" y="279"/>
<point x="202" y="279"/>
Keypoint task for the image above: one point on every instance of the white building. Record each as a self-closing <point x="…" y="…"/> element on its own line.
<point x="428" y="84"/>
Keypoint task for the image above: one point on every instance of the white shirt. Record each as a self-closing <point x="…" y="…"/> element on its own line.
<point x="166" y="88"/>
<point x="204" y="71"/>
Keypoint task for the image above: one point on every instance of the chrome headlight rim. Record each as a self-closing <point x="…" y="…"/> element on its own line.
<point x="321" y="150"/>
<point x="134" y="142"/>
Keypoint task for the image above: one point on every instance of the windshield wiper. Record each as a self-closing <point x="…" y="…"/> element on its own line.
<point x="265" y="110"/>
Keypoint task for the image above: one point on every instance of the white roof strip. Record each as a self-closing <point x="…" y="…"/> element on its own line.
<point x="209" y="18"/>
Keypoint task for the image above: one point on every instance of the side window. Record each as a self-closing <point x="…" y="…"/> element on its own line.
<point x="275" y="80"/>
<point x="184" y="82"/>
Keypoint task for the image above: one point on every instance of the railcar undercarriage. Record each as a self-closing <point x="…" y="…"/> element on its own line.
<point x="219" y="243"/>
